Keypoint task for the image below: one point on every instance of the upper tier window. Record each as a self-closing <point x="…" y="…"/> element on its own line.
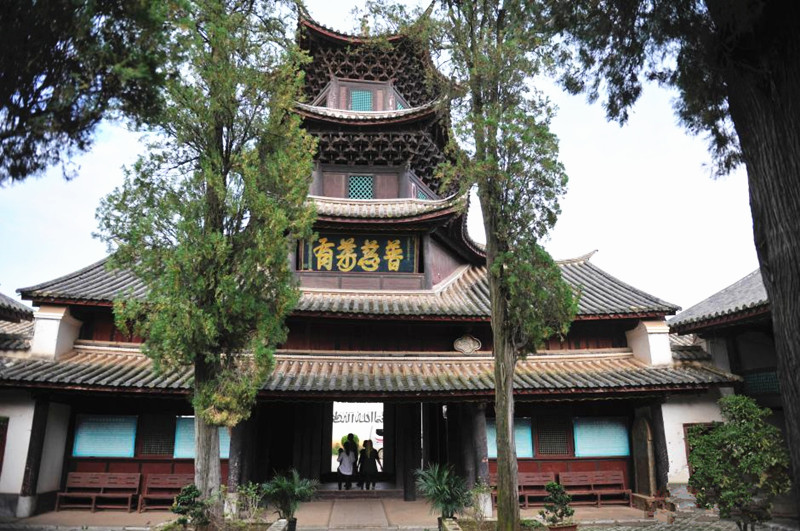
<point x="361" y="100"/>
<point x="362" y="96"/>
<point x="361" y="187"/>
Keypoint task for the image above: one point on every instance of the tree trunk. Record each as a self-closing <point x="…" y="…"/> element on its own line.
<point x="207" y="475"/>
<point x="504" y="363"/>
<point x="762" y="73"/>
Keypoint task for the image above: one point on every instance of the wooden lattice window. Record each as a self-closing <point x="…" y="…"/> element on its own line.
<point x="361" y="187"/>
<point x="156" y="435"/>
<point x="554" y="436"/>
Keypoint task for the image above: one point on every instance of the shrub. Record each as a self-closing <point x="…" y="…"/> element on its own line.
<point x="191" y="507"/>
<point x="739" y="465"/>
<point x="286" y="491"/>
<point x="446" y="491"/>
<point x="556" y="505"/>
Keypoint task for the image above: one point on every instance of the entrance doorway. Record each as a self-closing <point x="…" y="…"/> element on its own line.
<point x="363" y="419"/>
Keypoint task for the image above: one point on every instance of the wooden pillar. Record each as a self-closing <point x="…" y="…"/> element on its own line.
<point x="26" y="505"/>
<point x="411" y="448"/>
<point x="465" y="440"/>
<point x="479" y="443"/>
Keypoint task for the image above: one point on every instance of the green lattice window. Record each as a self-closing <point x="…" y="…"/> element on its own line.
<point x="761" y="383"/>
<point x="400" y="105"/>
<point x="360" y="100"/>
<point x="421" y="194"/>
<point x="361" y="187"/>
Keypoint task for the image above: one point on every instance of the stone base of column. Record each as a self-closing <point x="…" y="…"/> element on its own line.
<point x="26" y="505"/>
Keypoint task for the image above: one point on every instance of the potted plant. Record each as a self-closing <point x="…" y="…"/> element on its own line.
<point x="446" y="491"/>
<point x="557" y="513"/>
<point x="286" y="491"/>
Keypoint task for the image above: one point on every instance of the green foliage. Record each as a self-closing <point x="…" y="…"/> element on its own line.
<point x="250" y="496"/>
<point x="444" y="489"/>
<point x="206" y="219"/>
<point x="193" y="510"/>
<point x="739" y="465"/>
<point x="557" y="510"/>
<point x="286" y="491"/>
<point x="66" y="65"/>
<point x="614" y="46"/>
<point x="529" y="523"/>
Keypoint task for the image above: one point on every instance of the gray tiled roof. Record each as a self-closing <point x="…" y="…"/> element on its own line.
<point x="466" y="294"/>
<point x="746" y="295"/>
<point x="15" y="336"/>
<point x="687" y="348"/>
<point x="302" y="373"/>
<point x="384" y="209"/>
<point x="12" y="310"/>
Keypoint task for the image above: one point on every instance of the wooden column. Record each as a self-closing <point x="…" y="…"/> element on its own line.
<point x="26" y="505"/>
<point x="411" y="447"/>
<point x="479" y="442"/>
<point x="465" y="440"/>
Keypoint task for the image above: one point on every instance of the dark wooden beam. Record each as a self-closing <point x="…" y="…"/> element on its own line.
<point x="33" y="460"/>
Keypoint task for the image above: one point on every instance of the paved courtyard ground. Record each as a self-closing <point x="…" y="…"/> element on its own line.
<point x="386" y="514"/>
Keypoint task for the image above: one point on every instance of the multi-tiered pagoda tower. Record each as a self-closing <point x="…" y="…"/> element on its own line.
<point x="394" y="311"/>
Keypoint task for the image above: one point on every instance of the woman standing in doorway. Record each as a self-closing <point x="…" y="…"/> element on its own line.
<point x="368" y="465"/>
<point x="345" y="471"/>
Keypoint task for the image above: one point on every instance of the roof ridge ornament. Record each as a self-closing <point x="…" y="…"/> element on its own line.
<point x="578" y="259"/>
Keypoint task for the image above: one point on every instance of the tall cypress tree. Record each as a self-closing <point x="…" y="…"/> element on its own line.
<point x="207" y="217"/>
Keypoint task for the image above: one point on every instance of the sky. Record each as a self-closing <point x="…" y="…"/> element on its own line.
<point x="642" y="195"/>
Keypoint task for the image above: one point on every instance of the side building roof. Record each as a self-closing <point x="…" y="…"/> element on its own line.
<point x="464" y="295"/>
<point x="743" y="299"/>
<point x="14" y="311"/>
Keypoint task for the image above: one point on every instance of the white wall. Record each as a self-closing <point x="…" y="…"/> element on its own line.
<point x="676" y="412"/>
<point x="18" y="407"/>
<point x="53" y="452"/>
<point x="649" y="342"/>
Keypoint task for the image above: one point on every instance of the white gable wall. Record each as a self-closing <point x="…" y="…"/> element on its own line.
<point x="18" y="407"/>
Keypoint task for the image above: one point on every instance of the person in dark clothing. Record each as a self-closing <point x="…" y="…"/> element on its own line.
<point x="368" y="465"/>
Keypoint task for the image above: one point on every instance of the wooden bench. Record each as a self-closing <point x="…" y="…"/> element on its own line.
<point x="595" y="485"/>
<point x="160" y="490"/>
<point x="531" y="485"/>
<point x="96" y="490"/>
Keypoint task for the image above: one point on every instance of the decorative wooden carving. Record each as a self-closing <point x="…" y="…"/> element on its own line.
<point x="467" y="344"/>
<point x="385" y="148"/>
<point x="399" y="63"/>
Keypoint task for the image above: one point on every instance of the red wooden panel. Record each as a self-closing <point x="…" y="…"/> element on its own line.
<point x="224" y="470"/>
<point x="183" y="467"/>
<point x="90" y="466"/>
<point x="552" y="466"/>
<point x="158" y="467"/>
<point x="123" y="466"/>
<point x="581" y="466"/>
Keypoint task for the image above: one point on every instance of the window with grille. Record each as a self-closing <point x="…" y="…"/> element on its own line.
<point x="360" y="100"/>
<point x="156" y="435"/>
<point x="361" y="187"/>
<point x="421" y="194"/>
<point x="104" y="436"/>
<point x="184" y="439"/>
<point x="400" y="105"/>
<point x="762" y="382"/>
<point x="601" y="437"/>
<point x="554" y="435"/>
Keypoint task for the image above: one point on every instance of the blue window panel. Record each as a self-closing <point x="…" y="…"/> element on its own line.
<point x="184" y="439"/>
<point x="523" y="437"/>
<point x="360" y="100"/>
<point x="104" y="436"/>
<point x="601" y="437"/>
<point x="361" y="187"/>
<point x="400" y="105"/>
<point x="421" y="194"/>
